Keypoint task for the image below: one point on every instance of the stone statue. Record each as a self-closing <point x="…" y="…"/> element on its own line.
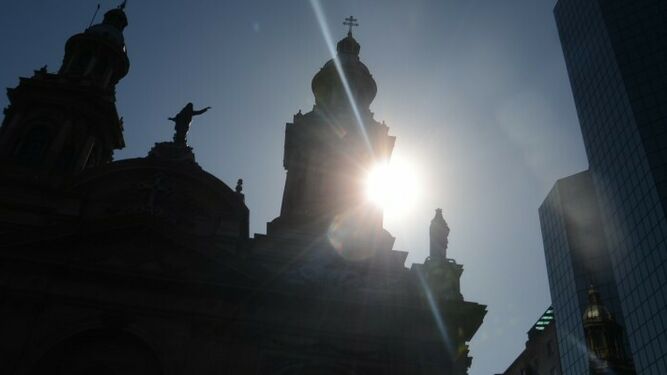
<point x="183" y="120"/>
<point x="439" y="231"/>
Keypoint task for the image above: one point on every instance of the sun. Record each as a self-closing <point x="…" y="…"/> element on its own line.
<point x="393" y="186"/>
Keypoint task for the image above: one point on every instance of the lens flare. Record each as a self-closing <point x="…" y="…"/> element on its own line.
<point x="393" y="186"/>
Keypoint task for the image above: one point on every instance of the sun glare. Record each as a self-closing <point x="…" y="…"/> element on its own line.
<point x="393" y="186"/>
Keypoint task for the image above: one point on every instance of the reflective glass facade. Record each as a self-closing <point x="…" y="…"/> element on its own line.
<point x="616" y="55"/>
<point x="577" y="256"/>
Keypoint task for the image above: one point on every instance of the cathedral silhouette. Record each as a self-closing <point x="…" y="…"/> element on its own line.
<point x="146" y="266"/>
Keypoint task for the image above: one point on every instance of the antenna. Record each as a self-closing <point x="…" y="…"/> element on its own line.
<point x="94" y="15"/>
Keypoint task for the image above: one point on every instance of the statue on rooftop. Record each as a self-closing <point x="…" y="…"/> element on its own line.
<point x="183" y="120"/>
<point x="439" y="231"/>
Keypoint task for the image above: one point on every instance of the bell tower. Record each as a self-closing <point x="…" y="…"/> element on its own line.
<point x="61" y="123"/>
<point x="330" y="151"/>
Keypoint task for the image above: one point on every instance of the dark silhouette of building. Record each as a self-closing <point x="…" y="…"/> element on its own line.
<point x="577" y="256"/>
<point x="145" y="265"/>
<point x="616" y="61"/>
<point x="541" y="353"/>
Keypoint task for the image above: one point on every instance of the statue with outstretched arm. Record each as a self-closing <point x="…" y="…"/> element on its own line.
<point x="183" y="120"/>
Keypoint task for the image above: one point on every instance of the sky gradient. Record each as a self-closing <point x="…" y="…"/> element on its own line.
<point x="475" y="91"/>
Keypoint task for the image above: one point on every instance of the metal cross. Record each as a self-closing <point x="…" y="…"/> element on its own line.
<point x="350" y="21"/>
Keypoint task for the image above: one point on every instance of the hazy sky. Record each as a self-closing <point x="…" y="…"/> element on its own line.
<point x="475" y="91"/>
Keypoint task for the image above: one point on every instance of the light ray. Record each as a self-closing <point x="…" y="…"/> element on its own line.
<point x="435" y="311"/>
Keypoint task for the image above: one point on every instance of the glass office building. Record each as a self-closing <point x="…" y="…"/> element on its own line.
<point x="576" y="253"/>
<point x="616" y="56"/>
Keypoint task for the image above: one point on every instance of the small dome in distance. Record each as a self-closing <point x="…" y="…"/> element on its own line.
<point x="595" y="311"/>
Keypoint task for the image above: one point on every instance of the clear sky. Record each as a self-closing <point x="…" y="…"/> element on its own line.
<point x="475" y="91"/>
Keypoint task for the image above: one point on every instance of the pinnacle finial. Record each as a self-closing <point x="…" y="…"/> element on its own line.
<point x="350" y="21"/>
<point x="122" y="5"/>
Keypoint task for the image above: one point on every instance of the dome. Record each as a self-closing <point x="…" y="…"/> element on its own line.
<point x="348" y="45"/>
<point x="595" y="311"/>
<point x="173" y="195"/>
<point x="327" y="86"/>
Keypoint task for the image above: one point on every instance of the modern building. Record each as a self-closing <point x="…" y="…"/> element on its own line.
<point x="615" y="51"/>
<point x="541" y="353"/>
<point x="576" y="254"/>
<point x="145" y="265"/>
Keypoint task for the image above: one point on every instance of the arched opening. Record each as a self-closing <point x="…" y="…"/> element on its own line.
<point x="100" y="352"/>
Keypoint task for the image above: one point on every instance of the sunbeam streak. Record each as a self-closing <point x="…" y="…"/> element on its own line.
<point x="433" y="305"/>
<point x="324" y="27"/>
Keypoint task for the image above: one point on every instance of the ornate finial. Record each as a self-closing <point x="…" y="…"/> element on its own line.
<point x="239" y="186"/>
<point x="122" y="5"/>
<point x="350" y="21"/>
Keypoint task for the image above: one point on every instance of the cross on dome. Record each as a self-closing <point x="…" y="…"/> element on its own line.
<point x="350" y="21"/>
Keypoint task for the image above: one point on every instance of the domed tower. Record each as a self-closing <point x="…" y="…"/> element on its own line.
<point x="330" y="150"/>
<point x="98" y="55"/>
<point x="604" y="339"/>
<point x="59" y="124"/>
<point x="335" y="92"/>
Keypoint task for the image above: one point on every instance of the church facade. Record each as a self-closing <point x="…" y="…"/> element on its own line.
<point x="146" y="266"/>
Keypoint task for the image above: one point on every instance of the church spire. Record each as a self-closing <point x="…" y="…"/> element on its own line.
<point x="329" y="151"/>
<point x="60" y="124"/>
<point x="329" y="90"/>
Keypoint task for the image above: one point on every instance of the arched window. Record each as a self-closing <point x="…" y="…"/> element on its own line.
<point x="33" y="147"/>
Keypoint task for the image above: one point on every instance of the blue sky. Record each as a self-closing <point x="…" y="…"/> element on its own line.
<point x="475" y="91"/>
